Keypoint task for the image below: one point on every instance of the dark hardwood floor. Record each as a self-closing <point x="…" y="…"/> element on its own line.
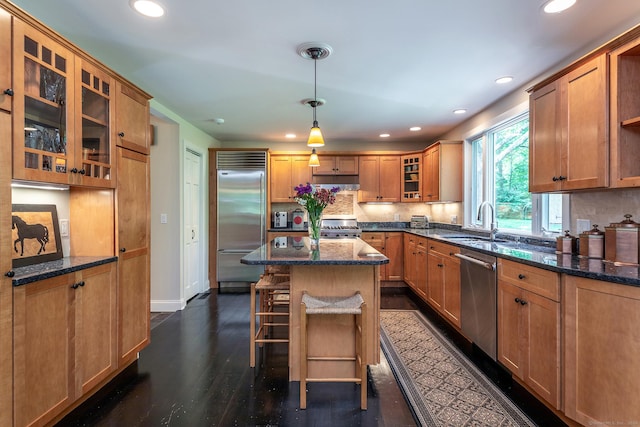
<point x="196" y="373"/>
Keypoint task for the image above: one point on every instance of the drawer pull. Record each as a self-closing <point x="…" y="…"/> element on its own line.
<point x="521" y="276"/>
<point x="521" y="301"/>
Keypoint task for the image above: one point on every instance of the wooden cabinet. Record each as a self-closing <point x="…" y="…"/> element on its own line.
<point x="93" y="111"/>
<point x="133" y="218"/>
<point x="337" y="165"/>
<point x="601" y="347"/>
<point x="43" y="121"/>
<point x="442" y="178"/>
<point x="287" y="172"/>
<point x="6" y="85"/>
<point x="443" y="280"/>
<point x="132" y="118"/>
<point x="6" y="289"/>
<point x="529" y="327"/>
<point x="389" y="244"/>
<point x="64" y="341"/>
<point x="379" y="179"/>
<point x="568" y="147"/>
<point x="625" y="115"/>
<point x="412" y="178"/>
<point x="415" y="264"/>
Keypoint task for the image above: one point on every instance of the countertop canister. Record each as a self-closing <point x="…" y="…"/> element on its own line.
<point x="621" y="242"/>
<point x="592" y="243"/>
<point x="566" y="244"/>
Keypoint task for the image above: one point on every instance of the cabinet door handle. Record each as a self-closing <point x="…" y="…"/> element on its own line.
<point x="10" y="273"/>
<point x="81" y="283"/>
<point x="75" y="286"/>
<point x="82" y="172"/>
<point x="555" y="178"/>
<point x="121" y="134"/>
<point x="520" y="301"/>
<point x="440" y="265"/>
<point x="123" y="249"/>
<point x="8" y="91"/>
<point x="562" y="178"/>
<point x="74" y="170"/>
<point x="521" y="276"/>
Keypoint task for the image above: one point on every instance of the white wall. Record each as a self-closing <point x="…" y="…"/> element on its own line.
<point x="166" y="198"/>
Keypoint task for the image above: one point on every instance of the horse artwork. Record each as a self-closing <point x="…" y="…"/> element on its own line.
<point x="29" y="231"/>
<point x="35" y="234"/>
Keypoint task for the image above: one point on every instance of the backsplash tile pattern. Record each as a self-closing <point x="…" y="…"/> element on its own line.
<point x="605" y="207"/>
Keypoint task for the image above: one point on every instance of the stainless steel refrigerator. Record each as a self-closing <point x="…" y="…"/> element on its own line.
<point x="241" y="213"/>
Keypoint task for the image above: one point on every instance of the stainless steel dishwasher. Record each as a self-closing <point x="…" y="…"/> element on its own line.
<point x="478" y="299"/>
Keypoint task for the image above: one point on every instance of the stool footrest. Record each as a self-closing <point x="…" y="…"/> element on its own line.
<point x="334" y="380"/>
<point x="331" y="358"/>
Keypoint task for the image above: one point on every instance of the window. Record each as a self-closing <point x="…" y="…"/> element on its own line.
<point x="500" y="174"/>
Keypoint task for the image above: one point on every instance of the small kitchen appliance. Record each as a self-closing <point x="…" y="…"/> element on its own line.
<point x="419" y="221"/>
<point x="279" y="220"/>
<point x="297" y="219"/>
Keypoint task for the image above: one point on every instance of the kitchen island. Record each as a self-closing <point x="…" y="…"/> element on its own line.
<point x="339" y="267"/>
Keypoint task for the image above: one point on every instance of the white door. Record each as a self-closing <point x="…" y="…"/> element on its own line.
<point x="193" y="281"/>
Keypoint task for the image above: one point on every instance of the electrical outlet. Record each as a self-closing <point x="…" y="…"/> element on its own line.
<point x="64" y="228"/>
<point x="163" y="218"/>
<point x="454" y="219"/>
<point x="583" y="225"/>
<point x="396" y="217"/>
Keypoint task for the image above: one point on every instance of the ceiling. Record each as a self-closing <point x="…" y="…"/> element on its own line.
<point x="394" y="64"/>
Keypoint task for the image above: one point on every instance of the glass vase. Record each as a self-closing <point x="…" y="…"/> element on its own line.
<point x="314" y="229"/>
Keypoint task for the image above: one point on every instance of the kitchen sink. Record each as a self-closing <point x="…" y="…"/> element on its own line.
<point x="474" y="239"/>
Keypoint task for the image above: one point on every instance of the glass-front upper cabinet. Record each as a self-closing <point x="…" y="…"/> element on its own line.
<point x="43" y="123"/>
<point x="94" y="92"/>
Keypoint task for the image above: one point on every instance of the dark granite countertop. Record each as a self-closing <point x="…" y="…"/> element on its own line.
<point x="46" y="270"/>
<point x="538" y="255"/>
<point x="295" y="250"/>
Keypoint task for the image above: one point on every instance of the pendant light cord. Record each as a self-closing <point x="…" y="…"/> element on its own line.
<point x="315" y="87"/>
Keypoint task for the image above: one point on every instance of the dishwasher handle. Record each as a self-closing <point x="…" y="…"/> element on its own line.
<point x="484" y="264"/>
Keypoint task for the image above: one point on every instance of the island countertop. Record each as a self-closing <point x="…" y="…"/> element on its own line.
<point x="295" y="250"/>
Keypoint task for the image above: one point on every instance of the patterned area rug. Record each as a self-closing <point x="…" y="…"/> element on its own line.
<point x="441" y="385"/>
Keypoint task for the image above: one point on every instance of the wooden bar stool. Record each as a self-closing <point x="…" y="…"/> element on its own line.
<point x="353" y="305"/>
<point x="272" y="311"/>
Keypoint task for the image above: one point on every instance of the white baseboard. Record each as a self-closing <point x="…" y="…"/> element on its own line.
<point x="164" y="306"/>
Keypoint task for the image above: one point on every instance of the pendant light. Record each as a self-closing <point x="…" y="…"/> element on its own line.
<point x="314" y="162"/>
<point x="315" y="51"/>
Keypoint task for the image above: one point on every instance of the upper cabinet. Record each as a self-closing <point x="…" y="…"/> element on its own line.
<point x="6" y="88"/>
<point x="94" y="105"/>
<point x="442" y="172"/>
<point x="625" y="115"/>
<point x="287" y="172"/>
<point x="411" y="178"/>
<point x="379" y="179"/>
<point x="132" y="118"/>
<point x="337" y="165"/>
<point x="63" y="107"/>
<point x="568" y="147"/>
<point x="43" y="131"/>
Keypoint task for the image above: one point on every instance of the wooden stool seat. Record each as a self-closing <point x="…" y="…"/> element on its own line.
<point x="273" y="290"/>
<point x="327" y="305"/>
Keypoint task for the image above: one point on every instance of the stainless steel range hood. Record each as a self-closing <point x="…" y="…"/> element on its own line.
<point x="343" y="182"/>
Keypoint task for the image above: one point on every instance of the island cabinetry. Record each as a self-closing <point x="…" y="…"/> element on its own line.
<point x="625" y="115"/>
<point x="379" y="179"/>
<point x="415" y="264"/>
<point x="64" y="341"/>
<point x="442" y="178"/>
<point x="568" y="146"/>
<point x="6" y="85"/>
<point x="337" y="165"/>
<point x="287" y="172"/>
<point x="443" y="280"/>
<point x="132" y="118"/>
<point x="412" y="178"/>
<point x="389" y="244"/>
<point x="601" y="347"/>
<point x="529" y="327"/>
<point x="133" y="222"/>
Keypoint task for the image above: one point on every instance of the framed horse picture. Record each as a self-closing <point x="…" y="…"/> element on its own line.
<point x="35" y="234"/>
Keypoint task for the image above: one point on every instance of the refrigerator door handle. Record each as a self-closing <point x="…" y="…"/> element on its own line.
<point x="263" y="210"/>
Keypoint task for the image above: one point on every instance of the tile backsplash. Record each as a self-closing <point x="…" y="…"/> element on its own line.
<point x="604" y="207"/>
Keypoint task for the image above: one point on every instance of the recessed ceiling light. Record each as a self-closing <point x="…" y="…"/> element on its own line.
<point x="459" y="111"/>
<point x="503" y="80"/>
<point x="148" y="8"/>
<point x="290" y="135"/>
<point x="415" y="128"/>
<point x="384" y="135"/>
<point x="557" y="6"/>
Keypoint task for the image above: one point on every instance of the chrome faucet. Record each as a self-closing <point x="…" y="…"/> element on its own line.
<point x="494" y="225"/>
